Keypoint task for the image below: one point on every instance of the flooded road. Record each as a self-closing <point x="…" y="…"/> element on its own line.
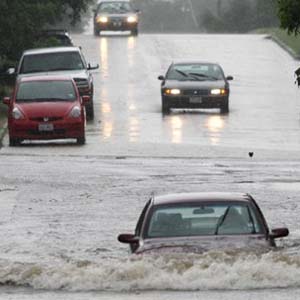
<point x="62" y="206"/>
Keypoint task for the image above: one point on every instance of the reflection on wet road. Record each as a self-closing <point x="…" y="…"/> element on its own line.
<point x="264" y="102"/>
<point x="128" y="92"/>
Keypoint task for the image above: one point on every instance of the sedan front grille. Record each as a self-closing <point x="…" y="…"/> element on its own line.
<point x="195" y="92"/>
<point x="116" y="19"/>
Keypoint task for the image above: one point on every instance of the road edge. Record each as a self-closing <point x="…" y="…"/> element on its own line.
<point x="283" y="46"/>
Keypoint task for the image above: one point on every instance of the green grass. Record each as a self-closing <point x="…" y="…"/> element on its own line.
<point x="291" y="41"/>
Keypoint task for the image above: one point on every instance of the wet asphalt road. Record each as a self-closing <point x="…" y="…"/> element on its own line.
<point x="264" y="103"/>
<point x="62" y="205"/>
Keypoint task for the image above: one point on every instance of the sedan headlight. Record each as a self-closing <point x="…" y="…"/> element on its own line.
<point x="102" y="19"/>
<point x="17" y="114"/>
<point x="75" y="112"/>
<point x="172" y="92"/>
<point x="218" y="91"/>
<point x="132" y="19"/>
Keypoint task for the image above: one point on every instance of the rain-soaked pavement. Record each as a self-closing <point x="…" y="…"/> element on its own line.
<point x="62" y="205"/>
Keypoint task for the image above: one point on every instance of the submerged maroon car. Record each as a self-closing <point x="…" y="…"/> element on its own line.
<point x="46" y="107"/>
<point x="197" y="222"/>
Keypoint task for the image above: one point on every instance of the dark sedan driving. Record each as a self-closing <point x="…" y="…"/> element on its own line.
<point x="198" y="222"/>
<point x="195" y="85"/>
<point x="115" y="16"/>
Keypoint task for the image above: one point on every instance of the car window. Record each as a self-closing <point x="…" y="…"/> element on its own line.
<point x="46" y="91"/>
<point x="46" y="62"/>
<point x="208" y="219"/>
<point x="195" y="71"/>
<point x="114" y="7"/>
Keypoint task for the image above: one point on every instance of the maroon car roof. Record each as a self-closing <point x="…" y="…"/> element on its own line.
<point x="200" y="197"/>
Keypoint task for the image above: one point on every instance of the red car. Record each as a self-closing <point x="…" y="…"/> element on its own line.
<point x="46" y="107"/>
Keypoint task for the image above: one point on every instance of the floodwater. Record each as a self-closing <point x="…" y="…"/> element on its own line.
<point x="62" y="206"/>
<point x="60" y="223"/>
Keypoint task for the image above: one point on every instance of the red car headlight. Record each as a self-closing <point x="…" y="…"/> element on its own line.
<point x="17" y="114"/>
<point x="75" y="112"/>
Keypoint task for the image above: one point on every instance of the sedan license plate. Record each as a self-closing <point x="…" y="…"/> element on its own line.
<point x="46" y="127"/>
<point x="196" y="100"/>
<point x="117" y="24"/>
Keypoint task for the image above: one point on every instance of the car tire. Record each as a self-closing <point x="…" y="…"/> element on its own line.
<point x="135" y="32"/>
<point x="224" y="107"/>
<point x="81" y="140"/>
<point x="165" y="106"/>
<point x="96" y="32"/>
<point x="14" y="142"/>
<point x="89" y="109"/>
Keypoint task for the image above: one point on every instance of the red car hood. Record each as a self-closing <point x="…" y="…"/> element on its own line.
<point x="46" y="109"/>
<point x="202" y="244"/>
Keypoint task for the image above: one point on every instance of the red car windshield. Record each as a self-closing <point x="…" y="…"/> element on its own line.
<point x="35" y="91"/>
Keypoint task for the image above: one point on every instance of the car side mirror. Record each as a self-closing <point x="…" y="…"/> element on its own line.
<point x="161" y="77"/>
<point x="279" y="232"/>
<point x="229" y="78"/>
<point x="137" y="11"/>
<point x="6" y="100"/>
<point x="85" y="99"/>
<point x="127" y="238"/>
<point x="92" y="67"/>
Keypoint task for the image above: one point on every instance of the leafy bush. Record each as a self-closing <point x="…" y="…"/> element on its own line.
<point x="241" y="17"/>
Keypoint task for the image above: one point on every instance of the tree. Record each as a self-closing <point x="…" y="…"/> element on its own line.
<point x="266" y="14"/>
<point x="21" y="20"/>
<point x="289" y="15"/>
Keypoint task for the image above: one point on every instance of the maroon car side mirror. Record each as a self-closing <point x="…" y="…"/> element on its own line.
<point x="6" y="100"/>
<point x="127" y="238"/>
<point x="279" y="232"/>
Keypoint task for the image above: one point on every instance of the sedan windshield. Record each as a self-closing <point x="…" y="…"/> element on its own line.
<point x="206" y="219"/>
<point x="59" y="61"/>
<point x="114" y="7"/>
<point x="46" y="91"/>
<point x="199" y="72"/>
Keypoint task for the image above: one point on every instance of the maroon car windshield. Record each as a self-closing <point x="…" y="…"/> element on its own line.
<point x="207" y="219"/>
<point x="35" y="91"/>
